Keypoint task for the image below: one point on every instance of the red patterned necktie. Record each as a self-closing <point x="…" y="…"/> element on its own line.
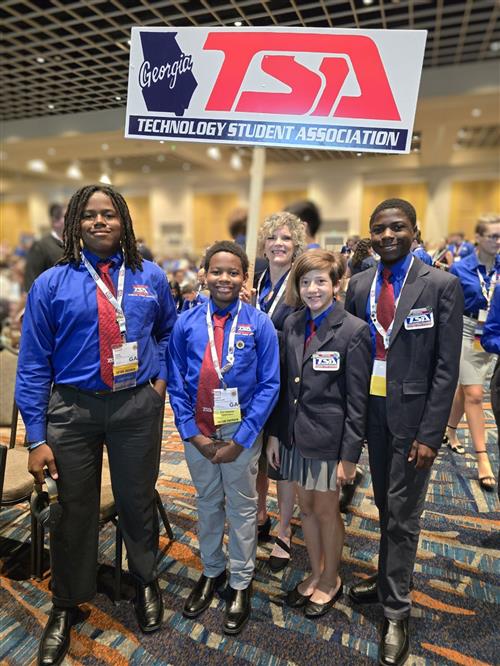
<point x="386" y="309"/>
<point x="312" y="333"/>
<point x="109" y="331"/>
<point x="209" y="380"/>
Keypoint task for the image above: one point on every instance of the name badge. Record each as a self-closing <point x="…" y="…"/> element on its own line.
<point x="419" y="318"/>
<point x="326" y="361"/>
<point x="378" y="381"/>
<point x="482" y="316"/>
<point x="226" y="406"/>
<point x="125" y="365"/>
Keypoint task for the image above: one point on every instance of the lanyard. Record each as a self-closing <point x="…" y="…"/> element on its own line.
<point x="487" y="293"/>
<point x="276" y="298"/>
<point x="115" y="302"/>
<point x="385" y="334"/>
<point x="230" y="349"/>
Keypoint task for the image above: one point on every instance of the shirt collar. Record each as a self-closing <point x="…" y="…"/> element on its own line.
<point x="474" y="262"/>
<point x="116" y="258"/>
<point x="317" y="320"/>
<point x="399" y="269"/>
<point x="230" y="309"/>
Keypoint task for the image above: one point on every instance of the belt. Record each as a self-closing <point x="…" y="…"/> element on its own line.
<point x="99" y="393"/>
<point x="471" y="315"/>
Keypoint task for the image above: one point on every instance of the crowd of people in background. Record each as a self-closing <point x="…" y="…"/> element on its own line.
<point x="383" y="343"/>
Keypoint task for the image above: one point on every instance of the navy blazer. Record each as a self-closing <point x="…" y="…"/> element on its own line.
<point x="323" y="412"/>
<point x="422" y="363"/>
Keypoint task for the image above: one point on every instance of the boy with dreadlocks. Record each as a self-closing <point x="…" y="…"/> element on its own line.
<point x="92" y="369"/>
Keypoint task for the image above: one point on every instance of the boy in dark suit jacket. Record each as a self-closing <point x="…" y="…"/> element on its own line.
<point x="414" y="312"/>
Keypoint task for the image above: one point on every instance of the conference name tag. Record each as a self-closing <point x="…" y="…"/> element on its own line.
<point x="378" y="381"/>
<point x="125" y="365"/>
<point x="326" y="361"/>
<point x="226" y="406"/>
<point x="419" y="318"/>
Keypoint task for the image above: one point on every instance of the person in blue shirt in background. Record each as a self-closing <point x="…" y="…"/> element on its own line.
<point x="223" y="384"/>
<point x="459" y="247"/>
<point x="75" y="392"/>
<point x="478" y="274"/>
<point x="491" y="343"/>
<point x="418" y="250"/>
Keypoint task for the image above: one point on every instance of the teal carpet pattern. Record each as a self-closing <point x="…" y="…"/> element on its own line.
<point x="455" y="601"/>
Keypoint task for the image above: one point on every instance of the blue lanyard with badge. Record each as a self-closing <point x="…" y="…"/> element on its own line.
<point x="125" y="355"/>
<point x="483" y="313"/>
<point x="378" y="380"/>
<point x="226" y="400"/>
<point x="270" y="295"/>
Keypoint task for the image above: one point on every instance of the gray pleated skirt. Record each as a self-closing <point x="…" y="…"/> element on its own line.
<point x="309" y="473"/>
<point x="475" y="365"/>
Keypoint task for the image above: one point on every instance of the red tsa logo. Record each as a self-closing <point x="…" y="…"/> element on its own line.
<point x="312" y="93"/>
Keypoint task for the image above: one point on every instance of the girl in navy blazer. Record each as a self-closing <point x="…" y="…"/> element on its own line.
<point x="320" y="418"/>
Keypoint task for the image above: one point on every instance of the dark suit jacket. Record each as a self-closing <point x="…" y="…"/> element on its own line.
<point x="324" y="412"/>
<point x="42" y="255"/>
<point x="422" y="364"/>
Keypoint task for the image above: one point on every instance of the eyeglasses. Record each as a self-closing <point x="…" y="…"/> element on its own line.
<point x="493" y="237"/>
<point x="92" y="215"/>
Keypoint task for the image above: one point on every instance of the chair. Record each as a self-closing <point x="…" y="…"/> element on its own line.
<point x="16" y="483"/>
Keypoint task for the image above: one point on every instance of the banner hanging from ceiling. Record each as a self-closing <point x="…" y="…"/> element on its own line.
<point x="289" y="87"/>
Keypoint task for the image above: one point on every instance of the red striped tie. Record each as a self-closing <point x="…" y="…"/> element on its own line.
<point x="109" y="331"/>
<point x="209" y="380"/>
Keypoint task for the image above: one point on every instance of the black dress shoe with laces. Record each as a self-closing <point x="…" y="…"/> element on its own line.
<point x="395" y="642"/>
<point x="238" y="607"/>
<point x="148" y="606"/>
<point x="56" y="636"/>
<point x="365" y="592"/>
<point x="202" y="594"/>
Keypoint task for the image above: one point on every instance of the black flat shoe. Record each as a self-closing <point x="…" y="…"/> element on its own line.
<point x="295" y="599"/>
<point x="55" y="640"/>
<point x="279" y="563"/>
<point x="238" y="607"/>
<point x="314" y="609"/>
<point x="394" y="643"/>
<point x="148" y="606"/>
<point x="202" y="594"/>
<point x="264" y="529"/>
<point x="365" y="592"/>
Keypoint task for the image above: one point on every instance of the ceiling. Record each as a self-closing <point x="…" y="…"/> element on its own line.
<point x="65" y="57"/>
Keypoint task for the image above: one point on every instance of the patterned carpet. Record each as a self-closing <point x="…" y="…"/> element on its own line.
<point x="456" y="596"/>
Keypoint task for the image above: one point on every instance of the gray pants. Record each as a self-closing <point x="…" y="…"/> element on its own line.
<point x="399" y="490"/>
<point x="227" y="490"/>
<point x="78" y="425"/>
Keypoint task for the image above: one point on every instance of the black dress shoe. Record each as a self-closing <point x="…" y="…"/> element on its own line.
<point x="395" y="642"/>
<point x="295" y="599"/>
<point x="148" y="605"/>
<point x="365" y="592"/>
<point x="56" y="635"/>
<point x="314" y="609"/>
<point x="347" y="491"/>
<point x="238" y="607"/>
<point x="264" y="529"/>
<point x="202" y="594"/>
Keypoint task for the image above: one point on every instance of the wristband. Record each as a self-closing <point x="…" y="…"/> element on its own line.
<point x="34" y="445"/>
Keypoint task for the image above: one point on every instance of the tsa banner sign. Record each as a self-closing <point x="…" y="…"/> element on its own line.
<point x="289" y="87"/>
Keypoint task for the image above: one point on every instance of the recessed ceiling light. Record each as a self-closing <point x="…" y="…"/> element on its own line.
<point x="160" y="158"/>
<point x="236" y="162"/>
<point x="307" y="158"/>
<point x="105" y="179"/>
<point x="118" y="98"/>
<point x="51" y="107"/>
<point x="40" y="60"/>
<point x="74" y="172"/>
<point x="495" y="46"/>
<point x="367" y="2"/>
<point x="214" y="153"/>
<point x="162" y="141"/>
<point x="51" y="152"/>
<point x="145" y="168"/>
<point x="359" y="154"/>
<point x="117" y="161"/>
<point x="128" y="42"/>
<point x="238" y="24"/>
<point x="173" y="147"/>
<point x="475" y="113"/>
<point x="104" y="146"/>
<point x="37" y="165"/>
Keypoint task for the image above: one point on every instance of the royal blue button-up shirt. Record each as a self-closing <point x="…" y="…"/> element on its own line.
<point x="60" y="338"/>
<point x="466" y="272"/>
<point x="461" y="251"/>
<point x="255" y="372"/>
<point x="399" y="271"/>
<point x="490" y="340"/>
<point x="424" y="256"/>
